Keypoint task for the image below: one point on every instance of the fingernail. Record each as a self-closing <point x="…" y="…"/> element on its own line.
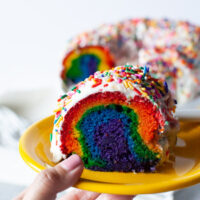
<point x="72" y="162"/>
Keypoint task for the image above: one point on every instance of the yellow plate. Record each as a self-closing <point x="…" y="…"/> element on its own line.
<point x="183" y="170"/>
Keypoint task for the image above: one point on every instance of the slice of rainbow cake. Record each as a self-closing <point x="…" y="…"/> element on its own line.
<point x="116" y="120"/>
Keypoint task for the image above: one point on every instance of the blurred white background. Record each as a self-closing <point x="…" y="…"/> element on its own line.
<point x="34" y="33"/>
<point x="33" y="38"/>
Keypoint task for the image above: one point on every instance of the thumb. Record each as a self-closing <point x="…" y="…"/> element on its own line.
<point x="51" y="181"/>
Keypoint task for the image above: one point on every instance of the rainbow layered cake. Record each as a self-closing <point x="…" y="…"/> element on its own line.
<point x="82" y="62"/>
<point x="173" y="45"/>
<point x="116" y="120"/>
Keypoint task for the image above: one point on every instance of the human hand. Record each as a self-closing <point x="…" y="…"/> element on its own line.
<point x="56" y="179"/>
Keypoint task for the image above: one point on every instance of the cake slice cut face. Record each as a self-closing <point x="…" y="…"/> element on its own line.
<point x="116" y="120"/>
<point x="79" y="63"/>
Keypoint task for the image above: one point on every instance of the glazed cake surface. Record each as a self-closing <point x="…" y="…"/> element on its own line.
<point x="140" y="41"/>
<point x="116" y="120"/>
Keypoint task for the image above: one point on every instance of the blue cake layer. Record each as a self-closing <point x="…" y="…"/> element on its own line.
<point x="110" y="141"/>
